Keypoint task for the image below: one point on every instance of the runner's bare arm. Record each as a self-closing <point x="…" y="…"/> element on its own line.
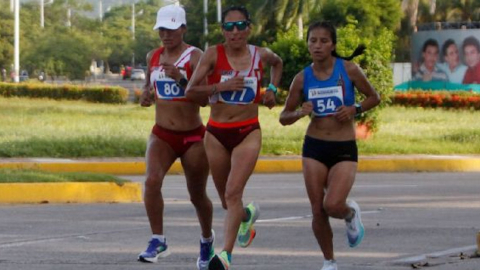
<point x="194" y="61"/>
<point x="290" y="114"/>
<point x="271" y="59"/>
<point x="356" y="75"/>
<point x="146" y="99"/>
<point x="275" y="62"/>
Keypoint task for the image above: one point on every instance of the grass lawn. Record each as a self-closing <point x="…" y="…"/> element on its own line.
<point x="34" y="176"/>
<point x="73" y="129"/>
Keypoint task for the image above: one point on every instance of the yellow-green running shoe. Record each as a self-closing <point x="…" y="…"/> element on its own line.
<point x="247" y="232"/>
<point x="220" y="262"/>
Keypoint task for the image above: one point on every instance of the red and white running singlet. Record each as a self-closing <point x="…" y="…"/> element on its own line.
<point x="253" y="77"/>
<point x="165" y="87"/>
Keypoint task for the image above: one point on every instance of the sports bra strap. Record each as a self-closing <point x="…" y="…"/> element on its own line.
<point x="184" y="57"/>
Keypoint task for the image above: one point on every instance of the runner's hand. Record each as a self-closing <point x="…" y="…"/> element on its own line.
<point x="146" y="99"/>
<point x="269" y="99"/>
<point x="345" y="113"/>
<point x="233" y="84"/>
<point x="172" y="71"/>
<point x="306" y="109"/>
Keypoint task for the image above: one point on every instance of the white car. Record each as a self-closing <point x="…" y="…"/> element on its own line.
<point x="137" y="74"/>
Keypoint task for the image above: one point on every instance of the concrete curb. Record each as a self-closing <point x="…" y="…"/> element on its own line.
<point x="132" y="192"/>
<point x="70" y="193"/>
<point x="266" y="165"/>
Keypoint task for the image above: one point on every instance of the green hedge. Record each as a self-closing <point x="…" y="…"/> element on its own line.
<point x="101" y="94"/>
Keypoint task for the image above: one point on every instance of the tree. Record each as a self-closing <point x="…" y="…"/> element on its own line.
<point x="69" y="53"/>
<point x="464" y="10"/>
<point x="6" y="38"/>
<point x="371" y="15"/>
<point x="280" y="15"/>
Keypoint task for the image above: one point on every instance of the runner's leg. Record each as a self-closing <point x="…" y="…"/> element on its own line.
<point x="315" y="174"/>
<point x="159" y="158"/>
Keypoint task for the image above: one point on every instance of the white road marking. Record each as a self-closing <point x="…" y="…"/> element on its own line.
<point x="305" y="217"/>
<point x="83" y="236"/>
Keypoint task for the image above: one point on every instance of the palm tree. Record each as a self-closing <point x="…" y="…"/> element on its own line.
<point x="464" y="10"/>
<point x="275" y="15"/>
<point x="414" y="8"/>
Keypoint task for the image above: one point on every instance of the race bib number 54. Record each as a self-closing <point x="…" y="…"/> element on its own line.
<point x="325" y="100"/>
<point x="246" y="96"/>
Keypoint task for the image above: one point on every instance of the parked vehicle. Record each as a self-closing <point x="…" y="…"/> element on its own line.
<point x="24" y="76"/>
<point x="137" y="74"/>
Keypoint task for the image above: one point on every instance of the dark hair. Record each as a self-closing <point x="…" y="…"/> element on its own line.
<point x="429" y="42"/>
<point x="333" y="36"/>
<point x="240" y="9"/>
<point x="447" y="44"/>
<point x="471" y="41"/>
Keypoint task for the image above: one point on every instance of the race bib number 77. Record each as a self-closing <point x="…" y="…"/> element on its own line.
<point x="246" y="96"/>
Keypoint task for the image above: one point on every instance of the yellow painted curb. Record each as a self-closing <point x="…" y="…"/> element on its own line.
<point x="420" y="165"/>
<point x="116" y="168"/>
<point x="70" y="193"/>
<point x="278" y="166"/>
<point x="266" y="166"/>
<point x="381" y="165"/>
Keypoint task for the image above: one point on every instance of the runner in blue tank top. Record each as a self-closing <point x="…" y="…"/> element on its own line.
<point x="330" y="150"/>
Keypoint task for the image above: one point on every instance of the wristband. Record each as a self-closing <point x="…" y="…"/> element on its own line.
<point x="358" y="109"/>
<point x="272" y="88"/>
<point x="214" y="90"/>
<point x="182" y="83"/>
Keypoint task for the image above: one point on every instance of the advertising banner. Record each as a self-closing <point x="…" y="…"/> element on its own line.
<point x="445" y="60"/>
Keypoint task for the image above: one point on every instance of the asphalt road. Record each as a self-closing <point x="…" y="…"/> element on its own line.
<point x="406" y="215"/>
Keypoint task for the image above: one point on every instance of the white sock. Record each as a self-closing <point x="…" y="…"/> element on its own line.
<point x="206" y="240"/>
<point x="159" y="237"/>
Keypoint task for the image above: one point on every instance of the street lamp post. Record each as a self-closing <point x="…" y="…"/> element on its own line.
<point x="205" y="22"/>
<point x="42" y="12"/>
<point x="100" y="12"/>
<point x="69" y="17"/>
<point x="219" y="10"/>
<point x="42" y="17"/>
<point x="16" y="43"/>
<point x="133" y="21"/>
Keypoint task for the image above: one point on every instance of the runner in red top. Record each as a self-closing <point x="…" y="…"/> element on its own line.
<point x="233" y="140"/>
<point x="178" y="132"/>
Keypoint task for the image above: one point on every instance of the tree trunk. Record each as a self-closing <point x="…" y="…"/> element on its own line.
<point x="300" y="26"/>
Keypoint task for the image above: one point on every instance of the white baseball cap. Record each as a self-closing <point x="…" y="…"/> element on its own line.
<point x="170" y="17"/>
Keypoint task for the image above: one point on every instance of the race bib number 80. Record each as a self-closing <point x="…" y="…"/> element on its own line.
<point x="325" y="100"/>
<point x="167" y="88"/>
<point x="246" y="96"/>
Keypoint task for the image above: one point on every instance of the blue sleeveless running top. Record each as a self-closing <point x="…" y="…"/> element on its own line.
<point x="328" y="95"/>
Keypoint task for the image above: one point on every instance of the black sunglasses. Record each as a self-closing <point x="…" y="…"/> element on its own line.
<point x="241" y="25"/>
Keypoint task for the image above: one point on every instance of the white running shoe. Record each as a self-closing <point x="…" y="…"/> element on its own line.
<point x="329" y="265"/>
<point x="355" y="229"/>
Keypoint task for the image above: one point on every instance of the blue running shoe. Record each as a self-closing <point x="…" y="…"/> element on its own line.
<point x="207" y="252"/>
<point x="155" y="250"/>
<point x="355" y="229"/>
<point x="246" y="232"/>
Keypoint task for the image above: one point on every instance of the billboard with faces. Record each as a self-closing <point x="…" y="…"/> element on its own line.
<point x="446" y="59"/>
